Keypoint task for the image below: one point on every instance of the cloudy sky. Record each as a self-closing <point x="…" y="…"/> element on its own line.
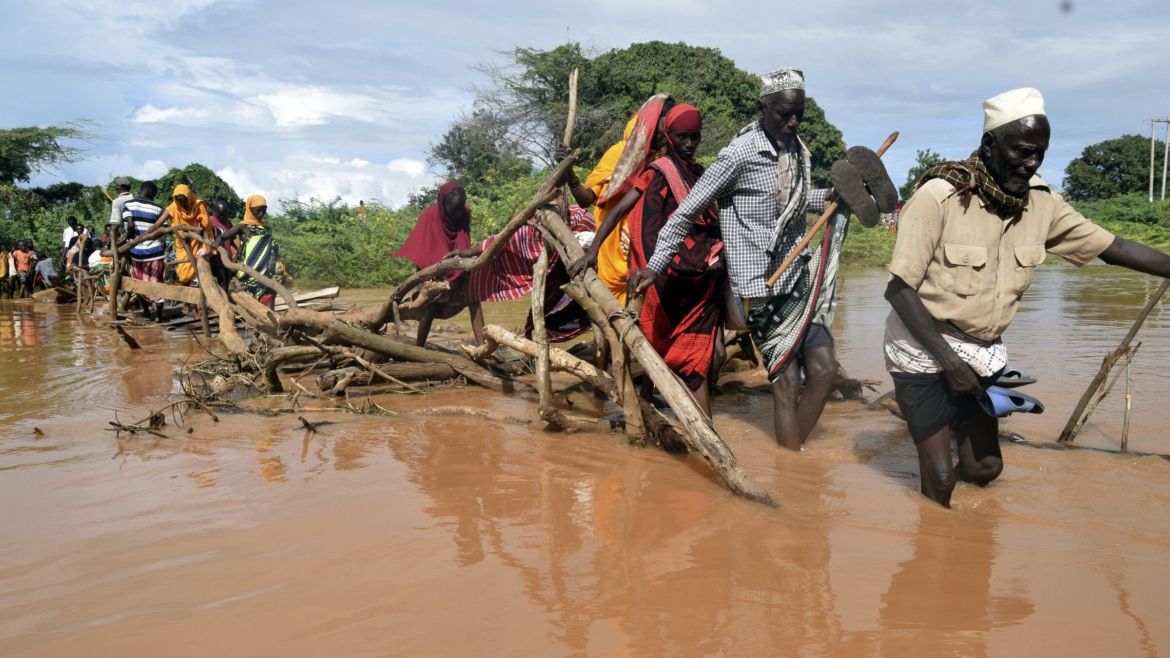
<point x="343" y="98"/>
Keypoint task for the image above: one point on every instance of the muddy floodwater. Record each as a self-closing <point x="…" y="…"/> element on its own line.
<point x="417" y="536"/>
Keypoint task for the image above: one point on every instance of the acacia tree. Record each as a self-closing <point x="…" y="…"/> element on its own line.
<point x="1111" y="168"/>
<point x="33" y="149"/>
<point x="522" y="108"/>
<point x="925" y="159"/>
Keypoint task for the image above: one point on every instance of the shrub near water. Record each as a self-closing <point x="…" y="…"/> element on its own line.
<point x="327" y="243"/>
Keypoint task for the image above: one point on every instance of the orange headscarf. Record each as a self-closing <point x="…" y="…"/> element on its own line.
<point x="251" y="202"/>
<point x="195" y="214"/>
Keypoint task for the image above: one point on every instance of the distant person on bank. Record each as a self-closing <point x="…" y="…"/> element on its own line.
<point x="115" y="225"/>
<point x="969" y="241"/>
<point x="24" y="257"/>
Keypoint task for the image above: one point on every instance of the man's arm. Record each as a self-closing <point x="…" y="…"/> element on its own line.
<point x="1137" y="257"/>
<point x="909" y="307"/>
<point x="716" y="182"/>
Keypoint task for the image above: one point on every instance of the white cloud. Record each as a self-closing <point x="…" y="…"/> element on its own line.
<point x="316" y="105"/>
<point x="304" y="176"/>
<point x="150" y="114"/>
<point x="408" y="166"/>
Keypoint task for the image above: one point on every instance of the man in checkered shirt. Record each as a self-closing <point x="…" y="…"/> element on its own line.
<point x="761" y="184"/>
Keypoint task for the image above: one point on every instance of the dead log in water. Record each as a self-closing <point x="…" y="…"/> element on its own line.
<point x="407" y="372"/>
<point x="340" y="333"/>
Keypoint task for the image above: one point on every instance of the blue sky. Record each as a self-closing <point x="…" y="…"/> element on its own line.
<point x="296" y="99"/>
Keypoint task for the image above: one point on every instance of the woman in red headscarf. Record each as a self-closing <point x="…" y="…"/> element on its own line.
<point x="682" y="315"/>
<point x="442" y="229"/>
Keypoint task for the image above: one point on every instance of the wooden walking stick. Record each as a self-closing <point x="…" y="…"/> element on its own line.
<point x="820" y="222"/>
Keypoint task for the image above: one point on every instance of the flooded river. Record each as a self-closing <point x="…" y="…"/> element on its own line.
<point x="411" y="536"/>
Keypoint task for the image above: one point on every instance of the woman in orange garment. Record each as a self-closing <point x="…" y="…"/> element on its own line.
<point x="608" y="183"/>
<point x="186" y="210"/>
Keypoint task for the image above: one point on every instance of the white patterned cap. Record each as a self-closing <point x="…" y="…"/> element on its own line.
<point x="781" y="79"/>
<point x="1010" y="106"/>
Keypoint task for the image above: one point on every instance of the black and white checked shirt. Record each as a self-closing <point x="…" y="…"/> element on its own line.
<point x="743" y="182"/>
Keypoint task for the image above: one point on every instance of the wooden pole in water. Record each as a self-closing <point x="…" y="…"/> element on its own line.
<point x="1128" y="408"/>
<point x="539" y="334"/>
<point x="1068" y="435"/>
<point x="115" y="282"/>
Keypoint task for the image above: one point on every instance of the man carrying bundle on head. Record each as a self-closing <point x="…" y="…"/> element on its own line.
<point x="762" y="186"/>
<point x="969" y="241"/>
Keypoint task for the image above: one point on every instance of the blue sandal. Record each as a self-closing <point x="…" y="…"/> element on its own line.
<point x="999" y="402"/>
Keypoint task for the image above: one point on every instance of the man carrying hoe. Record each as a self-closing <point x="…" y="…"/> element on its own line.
<point x="761" y="184"/>
<point x="969" y="241"/>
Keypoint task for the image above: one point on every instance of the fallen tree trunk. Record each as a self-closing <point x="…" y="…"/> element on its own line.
<point x="407" y="372"/>
<point x="281" y="356"/>
<point x="265" y="281"/>
<point x="218" y="301"/>
<point x="340" y="333"/>
<point x="704" y="437"/>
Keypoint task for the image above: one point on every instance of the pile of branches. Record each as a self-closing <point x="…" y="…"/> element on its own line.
<point x="355" y="348"/>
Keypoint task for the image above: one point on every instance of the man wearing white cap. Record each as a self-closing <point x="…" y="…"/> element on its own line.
<point x="969" y="241"/>
<point x="762" y="185"/>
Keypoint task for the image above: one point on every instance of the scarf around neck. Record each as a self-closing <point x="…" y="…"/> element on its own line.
<point x="971" y="177"/>
<point x="793" y="184"/>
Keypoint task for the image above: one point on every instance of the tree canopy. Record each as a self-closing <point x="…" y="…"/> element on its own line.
<point x="32" y="149"/>
<point x="925" y="159"/>
<point x="1111" y="168"/>
<point x="520" y="113"/>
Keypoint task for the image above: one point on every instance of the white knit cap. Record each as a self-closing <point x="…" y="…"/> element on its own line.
<point x="1011" y="105"/>
<point x="781" y="79"/>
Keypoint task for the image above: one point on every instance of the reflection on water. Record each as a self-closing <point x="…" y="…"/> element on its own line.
<point x="452" y="536"/>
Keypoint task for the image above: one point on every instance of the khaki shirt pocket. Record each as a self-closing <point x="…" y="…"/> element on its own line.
<point x="1028" y="256"/>
<point x="965" y="265"/>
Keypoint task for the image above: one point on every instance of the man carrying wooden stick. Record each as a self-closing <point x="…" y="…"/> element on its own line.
<point x="762" y="186"/>
<point x="969" y="241"/>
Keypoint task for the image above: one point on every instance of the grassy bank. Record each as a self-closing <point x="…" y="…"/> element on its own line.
<point x="329" y="243"/>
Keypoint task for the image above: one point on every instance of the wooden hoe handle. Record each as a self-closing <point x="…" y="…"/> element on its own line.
<point x="820" y="222"/>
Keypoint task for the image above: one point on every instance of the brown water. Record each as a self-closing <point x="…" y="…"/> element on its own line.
<point x="455" y="536"/>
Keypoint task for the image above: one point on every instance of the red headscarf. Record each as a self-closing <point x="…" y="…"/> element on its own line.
<point x="436" y="235"/>
<point x="679" y="118"/>
<point x="683" y="117"/>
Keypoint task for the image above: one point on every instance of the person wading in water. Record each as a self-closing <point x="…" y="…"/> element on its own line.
<point x="969" y="241"/>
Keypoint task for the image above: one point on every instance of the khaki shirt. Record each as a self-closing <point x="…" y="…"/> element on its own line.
<point x="971" y="267"/>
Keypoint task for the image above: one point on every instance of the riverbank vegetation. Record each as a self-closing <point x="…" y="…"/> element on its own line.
<point x="501" y="149"/>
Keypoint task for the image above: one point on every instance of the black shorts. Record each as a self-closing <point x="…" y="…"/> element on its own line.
<point x="928" y="405"/>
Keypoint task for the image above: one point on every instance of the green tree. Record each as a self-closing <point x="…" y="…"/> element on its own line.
<point x="33" y="149"/>
<point x="925" y="159"/>
<point x="524" y="106"/>
<point x="1111" y="168"/>
<point x="203" y="182"/>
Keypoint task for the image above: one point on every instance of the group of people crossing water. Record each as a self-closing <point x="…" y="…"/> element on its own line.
<point x="697" y="249"/>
